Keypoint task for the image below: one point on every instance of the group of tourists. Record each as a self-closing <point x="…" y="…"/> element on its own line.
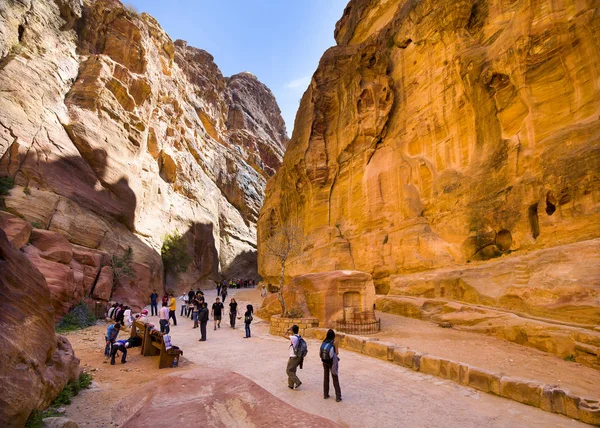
<point x="121" y="314"/>
<point x="328" y="353"/>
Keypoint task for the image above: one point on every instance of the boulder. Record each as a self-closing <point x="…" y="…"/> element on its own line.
<point x="17" y="230"/>
<point x="35" y="363"/>
<point x="104" y="285"/>
<point x="53" y="246"/>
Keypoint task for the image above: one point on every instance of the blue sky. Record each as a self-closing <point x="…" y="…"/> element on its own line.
<point x="279" y="41"/>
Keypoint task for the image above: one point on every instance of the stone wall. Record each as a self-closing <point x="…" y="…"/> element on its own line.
<point x="279" y="326"/>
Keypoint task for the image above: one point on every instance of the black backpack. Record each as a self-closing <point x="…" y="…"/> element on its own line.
<point x="324" y="352"/>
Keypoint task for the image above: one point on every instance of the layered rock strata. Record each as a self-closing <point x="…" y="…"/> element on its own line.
<point x="117" y="136"/>
<point x="35" y="362"/>
<point x="438" y="136"/>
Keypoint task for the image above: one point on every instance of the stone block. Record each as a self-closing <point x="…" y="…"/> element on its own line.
<point x="416" y="361"/>
<point x="589" y="412"/>
<point x="431" y="365"/>
<point x="521" y="390"/>
<point x="450" y="370"/>
<point x="463" y="374"/>
<point x="553" y="400"/>
<point x="403" y="356"/>
<point x="484" y="380"/>
<point x="354" y="343"/>
<point x="377" y="349"/>
<point x="572" y="406"/>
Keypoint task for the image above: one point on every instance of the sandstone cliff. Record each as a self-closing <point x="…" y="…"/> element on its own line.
<point x="117" y="136"/>
<point x="451" y="150"/>
<point x="35" y="362"/>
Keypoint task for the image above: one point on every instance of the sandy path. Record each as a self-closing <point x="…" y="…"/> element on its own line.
<point x="375" y="393"/>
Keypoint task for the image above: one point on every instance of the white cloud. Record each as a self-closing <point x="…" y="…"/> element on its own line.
<point x="300" y="83"/>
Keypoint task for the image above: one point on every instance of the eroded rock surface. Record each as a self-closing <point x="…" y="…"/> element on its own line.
<point x="437" y="136"/>
<point x="117" y="136"/>
<point x="35" y="363"/>
<point x="211" y="398"/>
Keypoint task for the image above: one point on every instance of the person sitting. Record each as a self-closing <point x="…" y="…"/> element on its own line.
<point x="143" y="317"/>
<point x="119" y="345"/>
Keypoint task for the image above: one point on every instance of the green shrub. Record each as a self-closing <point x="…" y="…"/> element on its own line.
<point x="64" y="398"/>
<point x="122" y="266"/>
<point x="37" y="225"/>
<point x="26" y="190"/>
<point x="570" y="357"/>
<point x="6" y="183"/>
<point x="174" y="253"/>
<point x="80" y="316"/>
<point x="295" y="313"/>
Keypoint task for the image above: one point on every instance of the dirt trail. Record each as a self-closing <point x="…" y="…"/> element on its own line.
<point x="375" y="393"/>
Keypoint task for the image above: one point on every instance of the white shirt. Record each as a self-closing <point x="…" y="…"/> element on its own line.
<point x="163" y="313"/>
<point x="294" y="340"/>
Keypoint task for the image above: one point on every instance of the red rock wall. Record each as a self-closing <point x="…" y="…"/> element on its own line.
<point x="35" y="363"/>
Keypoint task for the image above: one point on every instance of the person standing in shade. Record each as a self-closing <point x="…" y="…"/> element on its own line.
<point x="224" y="293"/>
<point x="217" y="310"/>
<point x="248" y="319"/>
<point x="163" y="314"/>
<point x="172" y="308"/>
<point x="154" y="303"/>
<point x="232" y="312"/>
<point x="329" y="357"/>
<point x="203" y="317"/>
<point x="218" y="288"/>
<point x="293" y="361"/>
<point x="184" y="303"/>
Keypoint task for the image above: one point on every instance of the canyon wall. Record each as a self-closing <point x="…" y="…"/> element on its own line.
<point x="115" y="137"/>
<point x="451" y="150"/>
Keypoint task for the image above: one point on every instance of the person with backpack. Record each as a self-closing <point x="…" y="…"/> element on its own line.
<point x="329" y="357"/>
<point x="203" y="317"/>
<point x="298" y="350"/>
<point x="248" y="319"/>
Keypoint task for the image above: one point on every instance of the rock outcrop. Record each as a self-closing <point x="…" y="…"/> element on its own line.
<point x="211" y="398"/>
<point x="437" y="136"/>
<point x="35" y="363"/>
<point x="116" y="136"/>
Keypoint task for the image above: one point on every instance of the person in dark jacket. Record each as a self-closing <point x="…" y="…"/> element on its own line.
<point x="111" y="335"/>
<point x="203" y="318"/>
<point x="248" y="319"/>
<point x="154" y="303"/>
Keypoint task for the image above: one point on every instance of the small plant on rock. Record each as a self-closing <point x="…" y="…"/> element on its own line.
<point x="6" y="183"/>
<point x="80" y="316"/>
<point x="570" y="357"/>
<point x="174" y="253"/>
<point x="37" y="225"/>
<point x="122" y="266"/>
<point x="27" y="190"/>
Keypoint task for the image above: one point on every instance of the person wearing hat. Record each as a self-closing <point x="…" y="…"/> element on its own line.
<point x="111" y="335"/>
<point x="143" y="317"/>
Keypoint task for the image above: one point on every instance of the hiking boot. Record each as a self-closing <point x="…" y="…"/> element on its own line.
<point x="123" y="362"/>
<point x="112" y="363"/>
<point x="337" y="400"/>
<point x="326" y="397"/>
<point x="297" y="385"/>
<point x="290" y="387"/>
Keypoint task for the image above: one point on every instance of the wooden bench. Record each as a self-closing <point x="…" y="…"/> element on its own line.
<point x="153" y="344"/>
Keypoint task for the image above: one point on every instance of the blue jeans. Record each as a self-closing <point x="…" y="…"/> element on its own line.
<point x="247" y="329"/>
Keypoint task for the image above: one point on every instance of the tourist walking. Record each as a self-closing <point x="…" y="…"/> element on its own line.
<point x="329" y="357"/>
<point x="195" y="309"/>
<point x="248" y="319"/>
<point x="203" y="317"/>
<point x="224" y="293"/>
<point x="218" y="288"/>
<point x="154" y="303"/>
<point x="163" y="315"/>
<point x="172" y="308"/>
<point x="232" y="312"/>
<point x="216" y="312"/>
<point x="294" y="360"/>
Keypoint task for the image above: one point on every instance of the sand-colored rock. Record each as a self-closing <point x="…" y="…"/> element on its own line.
<point x="53" y="246"/>
<point x="35" y="363"/>
<point x="117" y="136"/>
<point x="440" y="135"/>
<point x="104" y="285"/>
<point x="210" y="398"/>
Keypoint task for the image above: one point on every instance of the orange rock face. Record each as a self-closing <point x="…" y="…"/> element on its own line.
<point x="35" y="363"/>
<point x="117" y="136"/>
<point x="437" y="136"/>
